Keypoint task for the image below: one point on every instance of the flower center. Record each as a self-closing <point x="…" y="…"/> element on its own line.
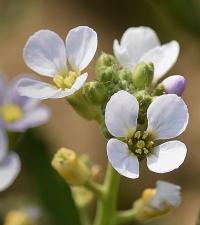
<point x="65" y="81"/>
<point x="11" y="113"/>
<point x="141" y="144"/>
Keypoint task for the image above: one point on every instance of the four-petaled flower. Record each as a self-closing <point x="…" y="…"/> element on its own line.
<point x="9" y="163"/>
<point x="18" y="113"/>
<point x="167" y="118"/>
<point x="46" y="54"/>
<point x="141" y="44"/>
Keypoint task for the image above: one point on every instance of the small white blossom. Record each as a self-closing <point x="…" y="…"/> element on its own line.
<point x="167" y="118"/>
<point x="141" y="44"/>
<point x="47" y="54"/>
<point x="9" y="163"/>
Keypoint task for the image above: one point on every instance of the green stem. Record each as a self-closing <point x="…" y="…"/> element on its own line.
<point x="106" y="208"/>
<point x="126" y="216"/>
<point x="94" y="187"/>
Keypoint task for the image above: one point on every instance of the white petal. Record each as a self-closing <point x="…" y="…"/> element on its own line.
<point x="121" y="114"/>
<point x="167" y="116"/>
<point x="167" y="195"/>
<point x="45" y="53"/>
<point x="36" y="89"/>
<point x="3" y="145"/>
<point x="167" y="157"/>
<point x="81" y="45"/>
<point x="76" y="86"/>
<point x="139" y="40"/>
<point x="123" y="56"/>
<point x="163" y="58"/>
<point x="122" y="160"/>
<point x="9" y="169"/>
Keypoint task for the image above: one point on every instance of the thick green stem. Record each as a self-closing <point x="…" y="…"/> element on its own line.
<point x="107" y="205"/>
<point x="126" y="216"/>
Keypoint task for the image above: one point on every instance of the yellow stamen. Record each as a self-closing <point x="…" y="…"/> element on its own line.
<point x="148" y="194"/>
<point x="65" y="81"/>
<point x="11" y="113"/>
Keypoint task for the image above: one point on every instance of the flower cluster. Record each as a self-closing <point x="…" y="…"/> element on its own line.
<point x="136" y="108"/>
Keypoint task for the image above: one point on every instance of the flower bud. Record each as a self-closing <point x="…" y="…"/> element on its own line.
<point x="95" y="92"/>
<point x="106" y="68"/>
<point x="143" y="75"/>
<point x="174" y="84"/>
<point x="22" y="217"/>
<point x="70" y="167"/>
<point x="157" y="202"/>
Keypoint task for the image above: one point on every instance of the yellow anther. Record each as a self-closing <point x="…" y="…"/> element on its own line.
<point x="59" y="81"/>
<point x="11" y="113"/>
<point x="140" y="144"/>
<point x="145" y="135"/>
<point x="146" y="151"/>
<point x="137" y="135"/>
<point x="70" y="167"/>
<point x="139" y="151"/>
<point x="148" y="194"/>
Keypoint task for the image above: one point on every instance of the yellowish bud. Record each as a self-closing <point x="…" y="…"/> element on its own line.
<point x="17" y="217"/>
<point x="11" y="113"/>
<point x="70" y="167"/>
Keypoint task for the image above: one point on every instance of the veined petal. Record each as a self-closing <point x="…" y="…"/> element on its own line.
<point x="45" y="53"/>
<point x="81" y="45"/>
<point x="3" y="145"/>
<point x="36" y="89"/>
<point x="121" y="114"/>
<point x="9" y="169"/>
<point x="122" y="55"/>
<point x="167" y="116"/>
<point x="167" y="195"/>
<point x="167" y="157"/>
<point x="32" y="118"/>
<point x="76" y="86"/>
<point x="163" y="58"/>
<point x="122" y="160"/>
<point x="139" y="40"/>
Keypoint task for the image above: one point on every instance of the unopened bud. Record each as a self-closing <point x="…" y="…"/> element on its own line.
<point x="95" y="92"/>
<point x="174" y="84"/>
<point x="70" y="167"/>
<point x="143" y="75"/>
<point x="106" y="68"/>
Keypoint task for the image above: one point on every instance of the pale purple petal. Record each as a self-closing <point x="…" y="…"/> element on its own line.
<point x="167" y="157"/>
<point x="122" y="160"/>
<point x="9" y="169"/>
<point x="45" y="53"/>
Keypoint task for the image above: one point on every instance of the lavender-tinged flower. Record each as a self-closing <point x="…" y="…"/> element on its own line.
<point x="174" y="84"/>
<point x="167" y="118"/>
<point x="9" y="163"/>
<point x="19" y="113"/>
<point x="141" y="44"/>
<point x="46" y="54"/>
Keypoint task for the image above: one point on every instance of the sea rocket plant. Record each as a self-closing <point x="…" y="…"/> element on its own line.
<point x="46" y="54"/>
<point x="141" y="44"/>
<point x="19" y="113"/>
<point x="9" y="163"/>
<point x="167" y="118"/>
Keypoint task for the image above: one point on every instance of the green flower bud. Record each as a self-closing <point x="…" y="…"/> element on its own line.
<point x="106" y="68"/>
<point x="143" y="75"/>
<point x="95" y="92"/>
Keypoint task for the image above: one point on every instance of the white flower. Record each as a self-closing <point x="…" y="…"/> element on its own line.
<point x="9" y="164"/>
<point x="167" y="118"/>
<point x="141" y="44"/>
<point x="46" y="54"/>
<point x="166" y="195"/>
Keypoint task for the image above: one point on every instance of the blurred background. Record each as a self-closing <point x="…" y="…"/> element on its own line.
<point x="172" y="19"/>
